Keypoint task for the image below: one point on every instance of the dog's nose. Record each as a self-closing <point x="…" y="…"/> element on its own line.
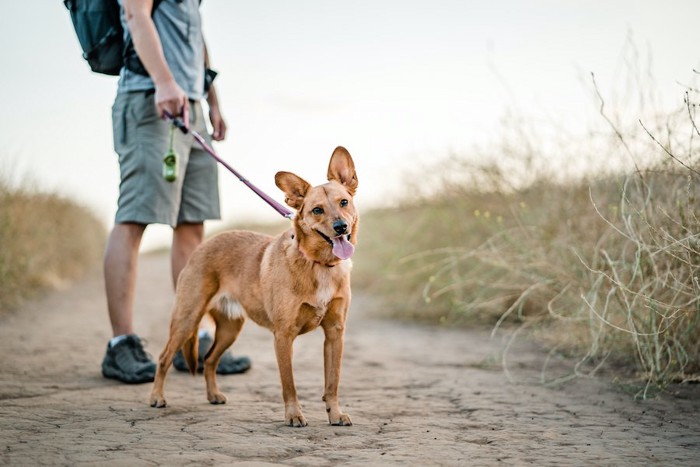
<point x="340" y="227"/>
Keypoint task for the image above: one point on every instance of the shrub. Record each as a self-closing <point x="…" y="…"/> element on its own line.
<point x="45" y="242"/>
<point x="602" y="265"/>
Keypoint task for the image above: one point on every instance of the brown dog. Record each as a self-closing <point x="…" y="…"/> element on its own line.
<point x="290" y="284"/>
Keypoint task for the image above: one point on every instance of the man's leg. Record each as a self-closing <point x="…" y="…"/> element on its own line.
<point x="120" y="264"/>
<point x="186" y="237"/>
<point x="125" y="359"/>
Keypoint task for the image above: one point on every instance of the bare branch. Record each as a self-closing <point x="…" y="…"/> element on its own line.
<point x="614" y="128"/>
<point x="670" y="154"/>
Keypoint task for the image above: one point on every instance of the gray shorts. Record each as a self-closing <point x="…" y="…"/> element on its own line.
<point x="141" y="139"/>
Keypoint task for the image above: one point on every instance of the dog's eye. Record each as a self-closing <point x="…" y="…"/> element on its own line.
<point x="343" y="203"/>
<point x="317" y="211"/>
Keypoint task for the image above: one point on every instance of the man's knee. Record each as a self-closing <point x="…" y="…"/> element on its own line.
<point x="128" y="232"/>
<point x="188" y="228"/>
<point x="189" y="233"/>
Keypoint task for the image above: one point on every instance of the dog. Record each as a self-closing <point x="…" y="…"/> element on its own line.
<point x="290" y="284"/>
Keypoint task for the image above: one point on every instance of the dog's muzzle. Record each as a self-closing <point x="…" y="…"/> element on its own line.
<point x="342" y="248"/>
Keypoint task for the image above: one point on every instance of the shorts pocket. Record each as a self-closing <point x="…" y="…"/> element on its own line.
<point x="144" y="110"/>
<point x="119" y="121"/>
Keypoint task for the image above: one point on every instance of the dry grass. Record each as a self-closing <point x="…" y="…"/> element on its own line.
<point x="602" y="266"/>
<point x="46" y="242"/>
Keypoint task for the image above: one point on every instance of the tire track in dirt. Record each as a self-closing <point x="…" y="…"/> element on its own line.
<point x="415" y="394"/>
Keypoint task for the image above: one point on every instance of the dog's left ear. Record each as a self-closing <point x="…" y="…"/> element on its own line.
<point x="342" y="169"/>
<point x="294" y="187"/>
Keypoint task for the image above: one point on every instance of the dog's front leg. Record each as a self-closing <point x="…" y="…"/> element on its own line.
<point x="334" y="329"/>
<point x="292" y="409"/>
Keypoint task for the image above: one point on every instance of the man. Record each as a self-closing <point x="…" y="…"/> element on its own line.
<point x="166" y="73"/>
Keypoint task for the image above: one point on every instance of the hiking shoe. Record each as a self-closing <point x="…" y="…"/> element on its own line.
<point x="228" y="365"/>
<point x="128" y="362"/>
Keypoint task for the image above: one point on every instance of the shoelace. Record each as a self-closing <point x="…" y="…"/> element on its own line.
<point x="139" y="352"/>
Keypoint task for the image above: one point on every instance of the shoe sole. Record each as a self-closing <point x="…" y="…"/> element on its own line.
<point x="119" y="377"/>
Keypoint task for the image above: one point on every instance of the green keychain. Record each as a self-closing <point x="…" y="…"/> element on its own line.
<point x="170" y="160"/>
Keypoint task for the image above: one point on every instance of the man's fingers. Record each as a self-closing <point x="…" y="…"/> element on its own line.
<point x="221" y="130"/>
<point x="186" y="113"/>
<point x="219" y="127"/>
<point x="170" y="98"/>
<point x="174" y="108"/>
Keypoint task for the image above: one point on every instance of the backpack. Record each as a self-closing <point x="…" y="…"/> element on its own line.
<point x="98" y="26"/>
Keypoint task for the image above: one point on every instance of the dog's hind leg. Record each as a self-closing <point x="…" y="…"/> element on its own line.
<point x="164" y="362"/>
<point x="183" y="330"/>
<point x="227" y="330"/>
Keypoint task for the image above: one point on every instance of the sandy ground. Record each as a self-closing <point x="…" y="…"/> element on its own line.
<point x="416" y="396"/>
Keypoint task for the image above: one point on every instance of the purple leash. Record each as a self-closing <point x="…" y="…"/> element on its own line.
<point x="283" y="211"/>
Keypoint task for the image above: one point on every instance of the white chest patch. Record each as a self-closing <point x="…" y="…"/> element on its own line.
<point x="325" y="290"/>
<point x="324" y="296"/>
<point x="327" y="287"/>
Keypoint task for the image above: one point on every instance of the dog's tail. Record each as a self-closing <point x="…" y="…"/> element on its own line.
<point x="189" y="351"/>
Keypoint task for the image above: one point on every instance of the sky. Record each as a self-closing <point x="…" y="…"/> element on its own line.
<point x="399" y="83"/>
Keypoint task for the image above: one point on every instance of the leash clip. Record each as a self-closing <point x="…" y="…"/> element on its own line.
<point x="177" y="122"/>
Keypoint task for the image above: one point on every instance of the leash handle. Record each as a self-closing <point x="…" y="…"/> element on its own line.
<point x="177" y="122"/>
<point x="282" y="210"/>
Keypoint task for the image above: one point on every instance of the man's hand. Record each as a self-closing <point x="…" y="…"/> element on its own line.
<point x="218" y="124"/>
<point x="172" y="99"/>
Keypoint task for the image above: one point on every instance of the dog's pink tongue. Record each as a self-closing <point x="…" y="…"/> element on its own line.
<point x="342" y="248"/>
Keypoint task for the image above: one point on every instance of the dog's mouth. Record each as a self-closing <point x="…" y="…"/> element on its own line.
<point x="342" y="248"/>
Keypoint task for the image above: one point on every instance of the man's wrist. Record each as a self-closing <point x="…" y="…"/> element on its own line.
<point x="163" y="79"/>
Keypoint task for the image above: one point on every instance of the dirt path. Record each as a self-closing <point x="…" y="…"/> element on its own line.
<point x="416" y="395"/>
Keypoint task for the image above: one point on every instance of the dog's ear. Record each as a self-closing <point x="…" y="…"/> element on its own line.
<point x="294" y="187"/>
<point x="342" y="169"/>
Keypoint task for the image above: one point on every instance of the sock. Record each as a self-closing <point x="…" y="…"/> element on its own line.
<point x="115" y="340"/>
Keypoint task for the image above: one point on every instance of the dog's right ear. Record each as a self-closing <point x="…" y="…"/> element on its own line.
<point x="294" y="187"/>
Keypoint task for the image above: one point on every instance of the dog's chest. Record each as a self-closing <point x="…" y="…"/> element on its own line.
<point x="316" y="306"/>
<point x="325" y="290"/>
<point x="327" y="282"/>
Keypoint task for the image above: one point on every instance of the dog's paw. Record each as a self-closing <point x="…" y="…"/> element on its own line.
<point x="295" y="418"/>
<point x="297" y="422"/>
<point x="158" y="401"/>
<point x="217" y="398"/>
<point x="343" y="420"/>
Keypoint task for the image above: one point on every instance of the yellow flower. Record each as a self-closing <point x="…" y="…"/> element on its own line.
<point x="477" y="213"/>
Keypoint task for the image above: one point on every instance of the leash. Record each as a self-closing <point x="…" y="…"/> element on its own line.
<point x="283" y="211"/>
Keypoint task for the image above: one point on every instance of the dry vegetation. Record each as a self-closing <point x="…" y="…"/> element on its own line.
<point x="602" y="265"/>
<point x="45" y="242"/>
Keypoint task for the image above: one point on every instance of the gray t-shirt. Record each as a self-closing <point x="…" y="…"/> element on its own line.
<point x="179" y="26"/>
